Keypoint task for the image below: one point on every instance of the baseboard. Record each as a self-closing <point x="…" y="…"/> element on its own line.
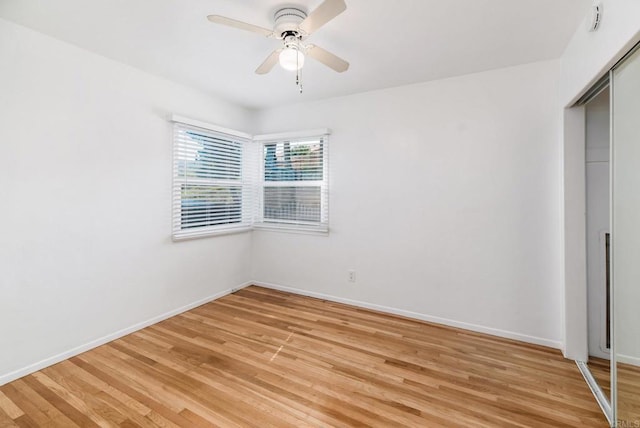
<point x="423" y="317"/>
<point x="16" y="374"/>
<point x="627" y="359"/>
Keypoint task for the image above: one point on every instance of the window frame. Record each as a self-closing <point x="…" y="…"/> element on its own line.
<point x="252" y="186"/>
<point x="244" y="182"/>
<point x="321" y="227"/>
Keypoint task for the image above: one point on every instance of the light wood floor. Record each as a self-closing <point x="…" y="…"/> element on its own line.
<point x="265" y="358"/>
<point x="628" y="389"/>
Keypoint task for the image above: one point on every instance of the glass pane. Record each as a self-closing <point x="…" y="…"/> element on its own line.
<point x="204" y="156"/>
<point x="626" y="239"/>
<point x="598" y="184"/>
<point x="210" y="205"/>
<point x="293" y="161"/>
<point x="292" y="204"/>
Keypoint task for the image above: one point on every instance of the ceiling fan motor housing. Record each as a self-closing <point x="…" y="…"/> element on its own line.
<point x="287" y="21"/>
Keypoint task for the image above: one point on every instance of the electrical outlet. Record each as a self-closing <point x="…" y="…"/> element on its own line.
<point x="351" y="275"/>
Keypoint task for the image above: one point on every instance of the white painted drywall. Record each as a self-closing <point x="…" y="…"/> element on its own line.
<point x="85" y="185"/>
<point x="574" y="236"/>
<point x="588" y="57"/>
<point x="445" y="199"/>
<point x="597" y="182"/>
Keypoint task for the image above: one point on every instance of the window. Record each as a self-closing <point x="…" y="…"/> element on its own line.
<point x="211" y="182"/>
<point x="294" y="184"/>
<point x="227" y="181"/>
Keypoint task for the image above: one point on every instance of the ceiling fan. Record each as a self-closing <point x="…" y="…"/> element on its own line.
<point x="292" y="25"/>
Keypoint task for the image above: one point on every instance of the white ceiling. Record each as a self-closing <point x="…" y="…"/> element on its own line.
<point x="388" y="43"/>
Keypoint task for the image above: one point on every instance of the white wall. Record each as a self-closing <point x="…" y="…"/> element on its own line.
<point x="85" y="174"/>
<point x="444" y="197"/>
<point x="575" y="323"/>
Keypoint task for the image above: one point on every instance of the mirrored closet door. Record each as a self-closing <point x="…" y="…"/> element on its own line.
<point x="625" y="242"/>
<point x="598" y="235"/>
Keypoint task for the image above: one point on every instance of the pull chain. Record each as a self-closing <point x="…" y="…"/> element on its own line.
<point x="298" y="72"/>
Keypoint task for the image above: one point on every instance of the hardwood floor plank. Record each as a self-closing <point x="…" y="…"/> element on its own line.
<point x="9" y="407"/>
<point x="176" y="391"/>
<point x="265" y="358"/>
<point x="7" y="421"/>
<point x="230" y="387"/>
<point x="104" y="404"/>
<point x="85" y="385"/>
<point x="36" y="409"/>
<point x="240" y="365"/>
<point x="25" y="421"/>
<point x="114" y="379"/>
<point x="58" y="397"/>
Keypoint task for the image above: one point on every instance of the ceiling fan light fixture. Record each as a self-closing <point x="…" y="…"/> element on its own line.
<point x="291" y="59"/>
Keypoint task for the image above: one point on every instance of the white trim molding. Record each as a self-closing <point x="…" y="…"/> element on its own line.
<point x="418" y="316"/>
<point x="261" y="138"/>
<point x="16" y="374"/>
<point x="292" y="135"/>
<point x="31" y="368"/>
<point x="628" y="359"/>
<point x="210" y="126"/>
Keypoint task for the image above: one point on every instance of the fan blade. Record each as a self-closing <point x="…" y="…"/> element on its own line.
<point x="322" y="14"/>
<point x="327" y="58"/>
<point x="217" y="19"/>
<point x="269" y="63"/>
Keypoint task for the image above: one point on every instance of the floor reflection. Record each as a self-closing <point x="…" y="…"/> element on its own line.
<point x="601" y="370"/>
<point x="628" y="387"/>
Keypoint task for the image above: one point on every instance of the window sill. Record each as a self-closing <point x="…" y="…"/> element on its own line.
<point x="187" y="236"/>
<point x="286" y="228"/>
<point x="267" y="227"/>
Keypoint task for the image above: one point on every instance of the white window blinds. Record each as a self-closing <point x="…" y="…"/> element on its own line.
<point x="294" y="184"/>
<point x="212" y="182"/>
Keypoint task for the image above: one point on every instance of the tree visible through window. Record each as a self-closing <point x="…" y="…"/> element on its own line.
<point x="228" y="181"/>
<point x="294" y="185"/>
<point x="208" y="185"/>
<point x="211" y="199"/>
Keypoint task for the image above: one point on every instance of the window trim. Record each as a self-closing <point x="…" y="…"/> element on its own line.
<point x="210" y="127"/>
<point x="252" y="185"/>
<point x="274" y="138"/>
<point x="322" y="228"/>
<point x="245" y="225"/>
